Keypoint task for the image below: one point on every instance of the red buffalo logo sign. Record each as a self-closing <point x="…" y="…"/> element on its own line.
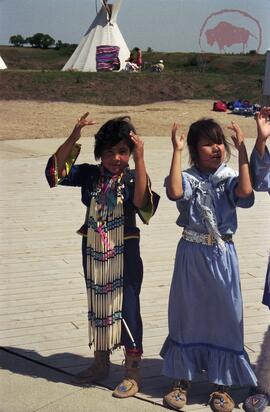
<point x="232" y="31"/>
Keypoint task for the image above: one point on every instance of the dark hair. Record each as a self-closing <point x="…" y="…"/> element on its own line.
<point x="209" y="129"/>
<point x="113" y="132"/>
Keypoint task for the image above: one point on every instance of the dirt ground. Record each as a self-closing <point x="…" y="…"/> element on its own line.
<point x="24" y="119"/>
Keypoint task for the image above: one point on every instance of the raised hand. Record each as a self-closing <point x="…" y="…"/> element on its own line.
<point x="141" y="193"/>
<point x="82" y="122"/>
<point x="138" y="150"/>
<point x="238" y="136"/>
<point x="177" y="141"/>
<point x="263" y="124"/>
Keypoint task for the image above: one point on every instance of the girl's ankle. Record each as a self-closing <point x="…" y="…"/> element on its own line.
<point x="222" y="388"/>
<point x="182" y="384"/>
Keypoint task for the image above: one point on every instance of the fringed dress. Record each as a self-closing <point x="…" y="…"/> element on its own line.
<point x="110" y="250"/>
<point x="205" y="304"/>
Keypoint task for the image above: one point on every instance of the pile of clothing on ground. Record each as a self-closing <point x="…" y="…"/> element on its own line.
<point x="241" y="107"/>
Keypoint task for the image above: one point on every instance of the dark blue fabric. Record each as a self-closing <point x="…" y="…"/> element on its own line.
<point x="84" y="176"/>
<point x="133" y="276"/>
<point x="266" y="293"/>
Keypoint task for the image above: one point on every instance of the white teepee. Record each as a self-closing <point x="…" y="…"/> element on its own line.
<point x="2" y="64"/>
<point x="103" y="31"/>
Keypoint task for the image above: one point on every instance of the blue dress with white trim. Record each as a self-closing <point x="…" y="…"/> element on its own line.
<point x="205" y="303"/>
<point x="260" y="170"/>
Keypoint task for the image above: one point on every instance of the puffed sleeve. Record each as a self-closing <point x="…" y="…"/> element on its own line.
<point x="51" y="170"/>
<point x="244" y="202"/>
<point x="151" y="205"/>
<point x="260" y="170"/>
<point x="187" y="188"/>
<point x="150" y="208"/>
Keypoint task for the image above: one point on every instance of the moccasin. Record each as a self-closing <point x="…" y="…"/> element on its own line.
<point x="256" y="403"/>
<point x="176" y="398"/>
<point x="221" y="402"/>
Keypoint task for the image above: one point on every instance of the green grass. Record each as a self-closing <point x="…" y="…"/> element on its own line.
<point x="36" y="74"/>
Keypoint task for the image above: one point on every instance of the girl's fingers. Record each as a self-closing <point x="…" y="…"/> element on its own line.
<point x="132" y="134"/>
<point x="84" y="116"/>
<point x="234" y="126"/>
<point x="135" y="138"/>
<point x="81" y="122"/>
<point x="175" y="127"/>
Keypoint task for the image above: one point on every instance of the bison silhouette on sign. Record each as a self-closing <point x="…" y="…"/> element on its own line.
<point x="226" y="34"/>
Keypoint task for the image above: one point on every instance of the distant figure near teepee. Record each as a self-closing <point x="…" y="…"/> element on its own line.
<point x="2" y="64"/>
<point x="105" y="32"/>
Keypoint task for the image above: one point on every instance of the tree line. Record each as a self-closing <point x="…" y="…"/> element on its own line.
<point x="38" y="40"/>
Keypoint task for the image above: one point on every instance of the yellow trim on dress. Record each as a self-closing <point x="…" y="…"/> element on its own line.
<point x="75" y="151"/>
<point x="148" y="210"/>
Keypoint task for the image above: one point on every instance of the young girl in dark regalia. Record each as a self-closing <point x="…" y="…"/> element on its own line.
<point x="112" y="194"/>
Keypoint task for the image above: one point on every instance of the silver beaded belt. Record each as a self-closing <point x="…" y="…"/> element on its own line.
<point x="204" y="238"/>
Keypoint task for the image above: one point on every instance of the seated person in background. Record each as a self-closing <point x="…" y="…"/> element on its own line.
<point x="116" y="64"/>
<point x="159" y="67"/>
<point x="138" y="56"/>
<point x="131" y="65"/>
<point x="134" y="61"/>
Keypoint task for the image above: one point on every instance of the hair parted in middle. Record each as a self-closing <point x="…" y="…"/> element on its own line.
<point x="209" y="129"/>
<point x="113" y="132"/>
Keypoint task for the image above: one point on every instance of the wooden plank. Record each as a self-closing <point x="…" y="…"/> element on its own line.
<point x="43" y="301"/>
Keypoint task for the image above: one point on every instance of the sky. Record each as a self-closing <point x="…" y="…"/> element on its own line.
<point x="163" y="25"/>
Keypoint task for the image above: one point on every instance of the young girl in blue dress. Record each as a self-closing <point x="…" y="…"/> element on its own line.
<point x="205" y="303"/>
<point x="113" y="194"/>
<point x="260" y="171"/>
